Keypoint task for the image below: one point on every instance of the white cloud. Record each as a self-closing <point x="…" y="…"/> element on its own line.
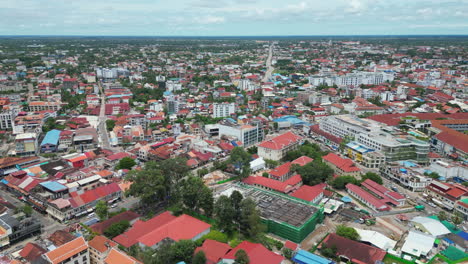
<point x="209" y="20"/>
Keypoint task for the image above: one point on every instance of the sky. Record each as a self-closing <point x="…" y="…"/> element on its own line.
<point x="233" y="17"/>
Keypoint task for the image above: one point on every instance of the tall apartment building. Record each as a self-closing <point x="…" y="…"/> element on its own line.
<point x="172" y="105"/>
<point x="223" y="109"/>
<point x="247" y="134"/>
<point x="352" y="79"/>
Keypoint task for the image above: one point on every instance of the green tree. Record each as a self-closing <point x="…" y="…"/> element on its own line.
<point x="287" y="253"/>
<point x="341" y="181"/>
<point x="101" y="210"/>
<point x="116" y="229"/>
<point x="442" y="215"/>
<point x="329" y="252"/>
<point x="347" y="232"/>
<point x="250" y="221"/>
<point x="457" y="218"/>
<point x="157" y="181"/>
<point x="199" y="258"/>
<point x="236" y="200"/>
<point x="125" y="163"/>
<point x="241" y="257"/>
<point x="27" y="210"/>
<point x="241" y="160"/>
<point x="314" y="172"/>
<point x="224" y="213"/>
<point x="110" y="124"/>
<point x="372" y="176"/>
<point x="195" y="195"/>
<point x="182" y="251"/>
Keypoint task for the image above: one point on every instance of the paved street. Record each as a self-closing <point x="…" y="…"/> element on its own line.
<point x="49" y="225"/>
<point x="270" y="68"/>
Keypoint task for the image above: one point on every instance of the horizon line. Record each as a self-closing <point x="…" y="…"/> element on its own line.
<point x="250" y="36"/>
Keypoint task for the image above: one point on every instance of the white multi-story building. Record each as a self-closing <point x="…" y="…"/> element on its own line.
<point x="352" y="79"/>
<point x="396" y="147"/>
<point x="223" y="109"/>
<point x="348" y="125"/>
<point x="247" y="134"/>
<point x="7" y="118"/>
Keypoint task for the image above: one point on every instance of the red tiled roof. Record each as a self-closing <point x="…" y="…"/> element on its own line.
<point x="281" y="141"/>
<point x="117" y="156"/>
<point x="316" y="129"/>
<point x="141" y="228"/>
<point x="357" y="252"/>
<point x="308" y="193"/>
<point x="31" y="252"/>
<point x="67" y="250"/>
<point x="347" y="165"/>
<point x="301" y="161"/>
<point x="182" y="227"/>
<point x="101" y="243"/>
<point x="274" y="184"/>
<point x="214" y="250"/>
<point x="258" y="254"/>
<point x="291" y="245"/>
<point x="377" y="203"/>
<point x="127" y="215"/>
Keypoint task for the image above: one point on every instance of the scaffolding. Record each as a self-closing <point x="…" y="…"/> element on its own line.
<point x="284" y="216"/>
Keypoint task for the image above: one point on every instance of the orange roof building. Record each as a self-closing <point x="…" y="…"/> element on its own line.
<point x="76" y="249"/>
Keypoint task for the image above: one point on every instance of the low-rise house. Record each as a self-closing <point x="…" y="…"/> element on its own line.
<point x="311" y="194"/>
<point x="99" y="248"/>
<point x="73" y="252"/>
<point x="366" y="198"/>
<point x="163" y="228"/>
<point x="26" y="144"/>
<point x="446" y="194"/>
<point x="130" y="216"/>
<point x="352" y="251"/>
<point x="214" y="250"/>
<point x="79" y="204"/>
<point x="341" y="166"/>
<point x="287" y="186"/>
<point x="116" y="256"/>
<point x="51" y="141"/>
<point x="257" y="253"/>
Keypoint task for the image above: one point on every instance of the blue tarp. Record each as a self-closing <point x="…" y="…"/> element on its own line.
<point x="305" y="257"/>
<point x="4" y="181"/>
<point x="52" y="137"/>
<point x="53" y="186"/>
<point x="463" y="235"/>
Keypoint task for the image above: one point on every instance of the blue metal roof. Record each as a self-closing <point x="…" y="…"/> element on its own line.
<point x="52" y="137"/>
<point x="53" y="186"/>
<point x="305" y="257"/>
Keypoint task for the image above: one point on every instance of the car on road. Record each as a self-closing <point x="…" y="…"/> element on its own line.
<point x="113" y="206"/>
<point x="91" y="215"/>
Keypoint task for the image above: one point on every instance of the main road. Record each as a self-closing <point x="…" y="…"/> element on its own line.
<point x="102" y="129"/>
<point x="270" y="68"/>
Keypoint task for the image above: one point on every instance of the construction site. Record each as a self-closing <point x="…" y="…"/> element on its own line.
<point x="287" y="217"/>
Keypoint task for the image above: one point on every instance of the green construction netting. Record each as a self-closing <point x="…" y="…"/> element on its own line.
<point x="454" y="253"/>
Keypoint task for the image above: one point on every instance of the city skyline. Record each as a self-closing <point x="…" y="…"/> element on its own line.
<point x="234" y="18"/>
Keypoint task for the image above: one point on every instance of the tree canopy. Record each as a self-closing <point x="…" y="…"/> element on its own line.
<point x="157" y="180"/>
<point x="314" y="172"/>
<point x="347" y="232"/>
<point x="125" y="163"/>
<point x="101" y="210"/>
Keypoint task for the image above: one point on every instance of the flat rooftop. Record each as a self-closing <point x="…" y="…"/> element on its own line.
<point x="276" y="207"/>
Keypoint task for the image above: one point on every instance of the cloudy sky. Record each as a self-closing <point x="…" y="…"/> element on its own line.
<point x="232" y="17"/>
